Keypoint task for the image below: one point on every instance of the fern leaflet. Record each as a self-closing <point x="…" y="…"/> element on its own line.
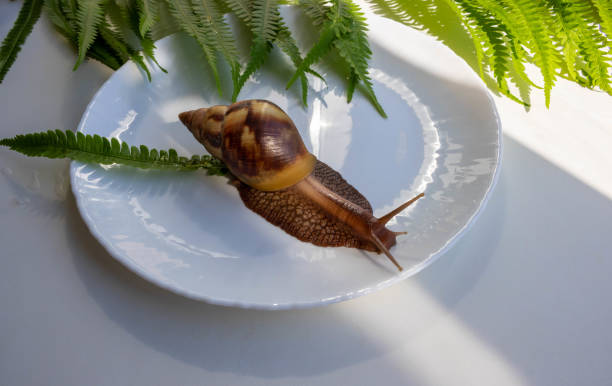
<point x="344" y="28"/>
<point x="166" y="23"/>
<point x="217" y="33"/>
<point x="320" y="48"/>
<point x="259" y="52"/>
<point x="89" y="16"/>
<point x="604" y="9"/>
<point x="264" y="22"/>
<point x="241" y="8"/>
<point x="187" y="20"/>
<point x="287" y="44"/>
<point x="96" y="149"/>
<point x="148" y="12"/>
<point x="11" y="45"/>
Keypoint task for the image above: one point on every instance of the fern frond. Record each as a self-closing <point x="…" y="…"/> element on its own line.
<point x="354" y="48"/>
<point x="96" y="149"/>
<point x="114" y="41"/>
<point x="217" y="33"/>
<point x="148" y="48"/>
<point x="148" y="13"/>
<point x="480" y="56"/>
<point x="604" y="9"/>
<point x="189" y="22"/>
<point x="597" y="60"/>
<point x="55" y="12"/>
<point x="288" y="45"/>
<point x="241" y="8"/>
<point x="491" y="34"/>
<point x="565" y="31"/>
<point x="166" y="23"/>
<point x="264" y="22"/>
<point x="344" y="28"/>
<point x="11" y="45"/>
<point x="594" y="48"/>
<point x="563" y="38"/>
<point x="316" y="52"/>
<point x="530" y="21"/>
<point x="102" y="53"/>
<point x="89" y="16"/>
<point x="259" y="52"/>
<point x="139" y="60"/>
<point x="317" y="10"/>
<point x="265" y="19"/>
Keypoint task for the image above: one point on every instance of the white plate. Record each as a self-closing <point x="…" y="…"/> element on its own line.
<point x="191" y="234"/>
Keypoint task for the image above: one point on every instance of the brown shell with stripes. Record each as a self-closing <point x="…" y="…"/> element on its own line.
<point x="281" y="181"/>
<point x="257" y="141"/>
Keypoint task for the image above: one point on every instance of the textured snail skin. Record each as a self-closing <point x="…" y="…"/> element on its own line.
<point x="280" y="180"/>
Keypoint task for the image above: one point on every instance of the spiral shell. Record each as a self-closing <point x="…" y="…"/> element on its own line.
<point x="256" y="139"/>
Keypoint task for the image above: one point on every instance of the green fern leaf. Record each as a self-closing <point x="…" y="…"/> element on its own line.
<point x="217" y="33"/>
<point x="122" y="17"/>
<point x="594" y="47"/>
<point x="597" y="62"/>
<point x="241" y="8"/>
<point x="343" y="27"/>
<point x="114" y="41"/>
<point x="259" y="52"/>
<point x="316" y="52"/>
<point x="265" y="19"/>
<point x="148" y="48"/>
<point x="244" y="10"/>
<point x="166" y="24"/>
<point x="89" y="16"/>
<point x="531" y="21"/>
<point x="480" y="55"/>
<point x="354" y="48"/>
<point x="148" y="12"/>
<point x="264" y="23"/>
<point x="352" y="83"/>
<point x="11" y="45"/>
<point x="102" y="54"/>
<point x="317" y="10"/>
<point x="288" y="45"/>
<point x="491" y="34"/>
<point x="55" y="12"/>
<point x="187" y="20"/>
<point x="95" y="149"/>
<point x="604" y="9"/>
<point x="564" y="28"/>
<point x="139" y="60"/>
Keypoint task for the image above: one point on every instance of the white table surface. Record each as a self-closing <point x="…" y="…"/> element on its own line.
<point x="522" y="298"/>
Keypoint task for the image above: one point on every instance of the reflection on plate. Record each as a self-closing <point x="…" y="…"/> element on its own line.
<point x="191" y="234"/>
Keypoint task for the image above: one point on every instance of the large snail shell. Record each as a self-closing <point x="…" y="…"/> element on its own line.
<point x="257" y="141"/>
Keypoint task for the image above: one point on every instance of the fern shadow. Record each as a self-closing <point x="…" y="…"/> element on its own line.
<point x="36" y="200"/>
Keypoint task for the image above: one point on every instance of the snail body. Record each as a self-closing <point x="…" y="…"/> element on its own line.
<point x="280" y="180"/>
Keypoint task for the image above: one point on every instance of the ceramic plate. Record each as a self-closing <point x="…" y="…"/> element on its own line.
<point x="191" y="234"/>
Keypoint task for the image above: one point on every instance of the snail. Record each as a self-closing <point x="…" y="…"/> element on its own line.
<point x="280" y="180"/>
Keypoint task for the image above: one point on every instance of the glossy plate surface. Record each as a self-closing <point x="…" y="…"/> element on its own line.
<point x="191" y="234"/>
